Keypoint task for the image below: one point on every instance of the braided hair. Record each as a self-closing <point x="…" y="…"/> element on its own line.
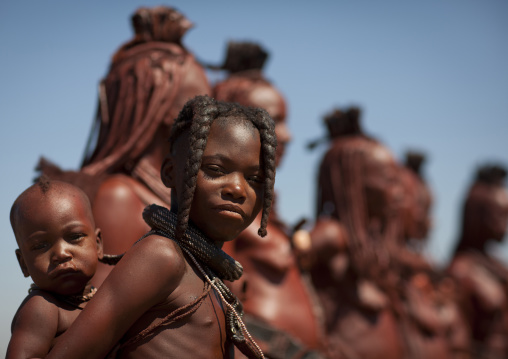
<point x="137" y="97"/>
<point x="197" y="117"/>
<point x="341" y="195"/>
<point x="340" y="123"/>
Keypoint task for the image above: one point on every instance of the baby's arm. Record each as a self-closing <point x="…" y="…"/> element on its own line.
<point x="145" y="276"/>
<point x="33" y="329"/>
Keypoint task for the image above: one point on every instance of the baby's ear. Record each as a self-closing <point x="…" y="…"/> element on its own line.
<point x="167" y="171"/>
<point x="98" y="239"/>
<point x="22" y="263"/>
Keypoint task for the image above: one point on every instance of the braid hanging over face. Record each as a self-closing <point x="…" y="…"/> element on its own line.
<point x="196" y="118"/>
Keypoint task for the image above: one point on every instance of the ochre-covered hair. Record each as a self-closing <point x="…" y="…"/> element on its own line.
<point x="340" y="123"/>
<point x="197" y="117"/>
<point x="343" y="122"/>
<point x="341" y="195"/>
<point x="138" y="93"/>
<point x="244" y="62"/>
<point x="244" y="56"/>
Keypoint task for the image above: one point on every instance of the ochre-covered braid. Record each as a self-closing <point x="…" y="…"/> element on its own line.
<point x="198" y="136"/>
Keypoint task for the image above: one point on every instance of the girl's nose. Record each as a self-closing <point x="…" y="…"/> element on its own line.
<point x="61" y="252"/>
<point x="235" y="187"/>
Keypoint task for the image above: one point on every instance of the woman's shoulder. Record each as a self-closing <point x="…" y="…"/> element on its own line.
<point x="118" y="187"/>
<point x="119" y="200"/>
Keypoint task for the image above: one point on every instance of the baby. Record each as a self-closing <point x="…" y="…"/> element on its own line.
<point x="59" y="248"/>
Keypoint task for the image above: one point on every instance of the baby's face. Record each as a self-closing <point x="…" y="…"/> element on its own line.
<point x="58" y="243"/>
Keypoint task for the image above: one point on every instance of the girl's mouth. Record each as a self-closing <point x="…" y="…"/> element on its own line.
<point x="231" y="210"/>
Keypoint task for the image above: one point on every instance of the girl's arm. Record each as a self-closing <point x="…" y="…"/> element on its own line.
<point x="145" y="276"/>
<point x="33" y="329"/>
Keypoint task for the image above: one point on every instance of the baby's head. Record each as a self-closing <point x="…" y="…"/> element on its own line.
<point x="221" y="167"/>
<point x="59" y="246"/>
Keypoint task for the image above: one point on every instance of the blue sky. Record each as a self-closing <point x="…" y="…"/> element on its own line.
<point x="429" y="75"/>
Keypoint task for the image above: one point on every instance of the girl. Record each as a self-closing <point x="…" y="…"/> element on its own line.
<point x="166" y="297"/>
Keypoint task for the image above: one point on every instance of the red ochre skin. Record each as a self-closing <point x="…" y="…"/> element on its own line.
<point x="155" y="277"/>
<point x="273" y="288"/>
<point x="482" y="278"/>
<point x="432" y="323"/>
<point x="358" y="200"/>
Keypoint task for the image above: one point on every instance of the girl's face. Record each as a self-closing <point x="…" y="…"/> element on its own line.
<point x="230" y="182"/>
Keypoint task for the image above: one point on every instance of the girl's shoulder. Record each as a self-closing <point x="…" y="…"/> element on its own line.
<point x="157" y="255"/>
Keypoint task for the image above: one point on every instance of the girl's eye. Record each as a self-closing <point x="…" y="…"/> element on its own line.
<point x="213" y="170"/>
<point x="256" y="179"/>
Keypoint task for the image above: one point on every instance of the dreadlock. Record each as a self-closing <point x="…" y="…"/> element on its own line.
<point x="341" y="195"/>
<point x="197" y="117"/>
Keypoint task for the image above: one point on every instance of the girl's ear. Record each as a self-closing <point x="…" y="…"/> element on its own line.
<point x="167" y="171"/>
<point x="98" y="240"/>
<point x="22" y="263"/>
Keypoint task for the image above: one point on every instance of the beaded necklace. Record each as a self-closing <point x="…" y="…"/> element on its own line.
<point x="73" y="300"/>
